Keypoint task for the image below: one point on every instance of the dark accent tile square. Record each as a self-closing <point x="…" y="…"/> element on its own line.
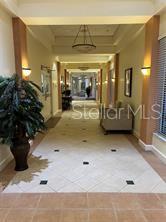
<point x="113" y="150"/>
<point x="56" y="150"/>
<point x="84" y="141"/>
<point x="130" y="182"/>
<point x="85" y="163"/>
<point x="43" y="182"/>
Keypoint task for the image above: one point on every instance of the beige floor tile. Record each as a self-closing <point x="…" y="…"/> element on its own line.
<point x="74" y="200"/>
<point x="74" y="216"/>
<point x="3" y="214"/>
<point x="47" y="216"/>
<point x="49" y="201"/>
<point x="155" y="215"/>
<point x="130" y="216"/>
<point x="7" y="200"/>
<point x="20" y="215"/>
<point x="100" y="200"/>
<point x="98" y="215"/>
<point x="149" y="201"/>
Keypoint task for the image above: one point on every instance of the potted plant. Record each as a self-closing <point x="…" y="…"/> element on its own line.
<point x="20" y="116"/>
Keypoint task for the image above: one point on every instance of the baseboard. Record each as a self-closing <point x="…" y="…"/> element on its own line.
<point x="5" y="162"/>
<point x="152" y="148"/>
<point x="57" y="112"/>
<point x="136" y="134"/>
<point x="146" y="147"/>
<point x="47" y="118"/>
<point x="159" y="154"/>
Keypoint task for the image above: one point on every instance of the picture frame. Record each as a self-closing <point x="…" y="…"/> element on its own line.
<point x="128" y="82"/>
<point x="45" y="81"/>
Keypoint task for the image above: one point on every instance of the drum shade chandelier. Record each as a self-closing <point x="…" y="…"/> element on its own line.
<point x="83" y="40"/>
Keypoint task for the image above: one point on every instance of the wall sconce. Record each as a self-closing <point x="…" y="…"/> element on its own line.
<point x="145" y="71"/>
<point x="113" y="80"/>
<point x="106" y="82"/>
<point x="26" y="72"/>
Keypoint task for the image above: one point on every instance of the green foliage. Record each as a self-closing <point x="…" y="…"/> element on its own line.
<point x="20" y="109"/>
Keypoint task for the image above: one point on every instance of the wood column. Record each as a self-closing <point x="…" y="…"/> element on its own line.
<point x="108" y="85"/>
<point x="65" y="77"/>
<point x="149" y="90"/>
<point x="59" y="85"/>
<point x="20" y="45"/>
<point x="116" y="63"/>
<point x="100" y="85"/>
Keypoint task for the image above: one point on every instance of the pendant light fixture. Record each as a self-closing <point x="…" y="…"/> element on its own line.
<point x="83" y="40"/>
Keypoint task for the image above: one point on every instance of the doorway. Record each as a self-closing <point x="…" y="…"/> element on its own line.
<point x="80" y="82"/>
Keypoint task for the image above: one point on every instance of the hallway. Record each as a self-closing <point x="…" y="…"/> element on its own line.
<point x="76" y="156"/>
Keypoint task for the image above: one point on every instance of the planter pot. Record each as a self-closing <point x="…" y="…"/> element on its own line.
<point x="20" y="151"/>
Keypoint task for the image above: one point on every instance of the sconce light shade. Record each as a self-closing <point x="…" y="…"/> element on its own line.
<point x="26" y="72"/>
<point x="145" y="71"/>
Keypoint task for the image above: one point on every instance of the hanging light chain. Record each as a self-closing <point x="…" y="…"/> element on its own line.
<point x="84" y="46"/>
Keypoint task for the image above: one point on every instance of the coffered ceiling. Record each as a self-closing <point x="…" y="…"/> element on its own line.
<point x="95" y="30"/>
<point x="76" y="12"/>
<point x="112" y="23"/>
<point x="107" y="38"/>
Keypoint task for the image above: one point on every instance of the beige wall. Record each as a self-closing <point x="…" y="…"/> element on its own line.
<point x="39" y="55"/>
<point x="7" y="66"/>
<point x="7" y="61"/>
<point x="132" y="56"/>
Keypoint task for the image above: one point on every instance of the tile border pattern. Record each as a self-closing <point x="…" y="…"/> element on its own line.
<point x="83" y="207"/>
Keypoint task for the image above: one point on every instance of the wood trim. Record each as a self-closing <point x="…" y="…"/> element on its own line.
<point x="101" y="85"/>
<point x="65" y="77"/>
<point x="59" y="85"/>
<point x="20" y="44"/>
<point x="108" y="85"/>
<point x="148" y="126"/>
<point x="116" y="77"/>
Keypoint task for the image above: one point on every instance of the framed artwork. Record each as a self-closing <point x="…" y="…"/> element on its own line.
<point x="45" y="81"/>
<point x="128" y="82"/>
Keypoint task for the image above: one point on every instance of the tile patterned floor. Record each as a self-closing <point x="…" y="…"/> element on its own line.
<point x="83" y="207"/>
<point x="82" y="139"/>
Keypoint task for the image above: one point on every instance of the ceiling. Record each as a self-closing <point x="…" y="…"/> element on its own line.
<point x="85" y="58"/>
<point x="82" y="74"/>
<point x="76" y="12"/>
<point x="40" y="1"/>
<point x="95" y="30"/>
<point x="107" y="38"/>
